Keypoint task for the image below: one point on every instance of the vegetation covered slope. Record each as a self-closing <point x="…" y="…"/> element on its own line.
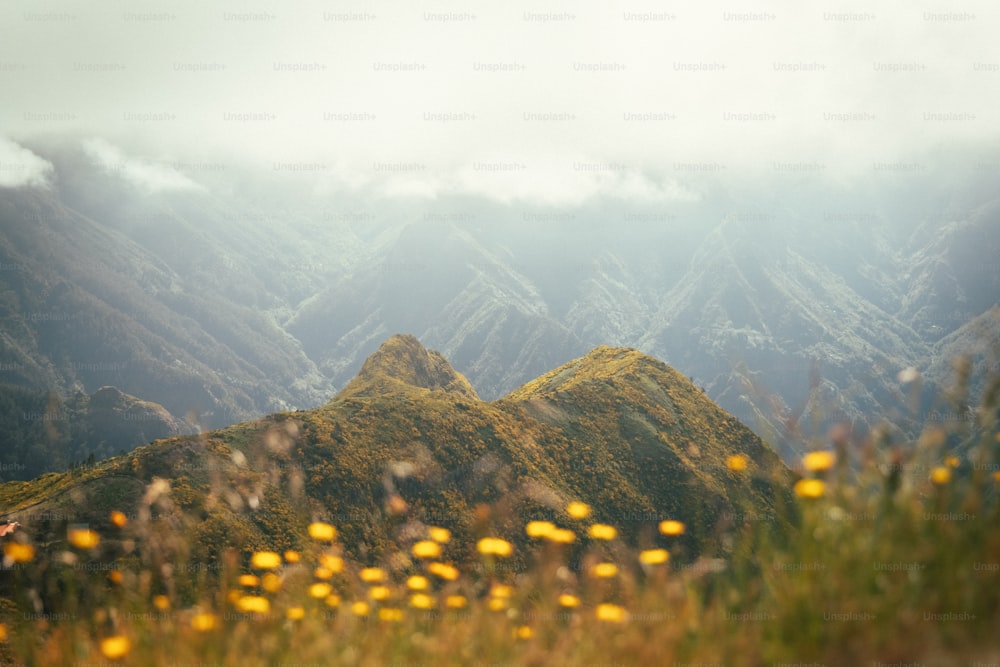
<point x="408" y="443"/>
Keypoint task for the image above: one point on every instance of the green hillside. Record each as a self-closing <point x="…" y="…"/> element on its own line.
<point x="408" y="443"/>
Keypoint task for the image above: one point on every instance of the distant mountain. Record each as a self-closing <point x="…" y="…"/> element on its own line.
<point x="407" y="442"/>
<point x="45" y="432"/>
<point x="794" y="306"/>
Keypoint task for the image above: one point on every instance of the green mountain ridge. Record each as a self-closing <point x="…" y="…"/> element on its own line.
<point x="408" y="443"/>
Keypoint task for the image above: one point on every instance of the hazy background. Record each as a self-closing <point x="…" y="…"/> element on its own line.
<point x="334" y="92"/>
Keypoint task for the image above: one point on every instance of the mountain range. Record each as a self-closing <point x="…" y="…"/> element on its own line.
<point x="794" y="307"/>
<point x="408" y="443"/>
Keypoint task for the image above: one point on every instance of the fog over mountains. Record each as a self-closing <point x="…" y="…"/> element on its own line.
<point x="223" y="294"/>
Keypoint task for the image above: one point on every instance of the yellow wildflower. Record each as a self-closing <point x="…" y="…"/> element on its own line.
<point x="254" y="604"/>
<point x="672" y="527"/>
<point x="569" y="601"/>
<point x="322" y="532"/>
<point x="18" y="553"/>
<point x="204" y="622"/>
<point x="494" y="546"/>
<point x="115" y="648"/>
<point x="578" y="510"/>
<point x="539" y="528"/>
<point x="941" y="475"/>
<point x="455" y="601"/>
<point x="389" y="614"/>
<point x="602" y="531"/>
<point x="417" y="583"/>
<point x="819" y="461"/>
<point x="810" y="488"/>
<point x="370" y="575"/>
<point x="83" y="538"/>
<point x="426" y="549"/>
<point x="561" y="536"/>
<point x="604" y="570"/>
<point x="737" y="462"/>
<point x="249" y="580"/>
<point x="654" y="556"/>
<point x="320" y="590"/>
<point x="442" y="535"/>
<point x="610" y="613"/>
<point x="443" y="571"/>
<point x="379" y="592"/>
<point x="421" y="601"/>
<point x="265" y="560"/>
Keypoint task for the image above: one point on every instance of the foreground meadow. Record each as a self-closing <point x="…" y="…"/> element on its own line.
<point x="885" y="555"/>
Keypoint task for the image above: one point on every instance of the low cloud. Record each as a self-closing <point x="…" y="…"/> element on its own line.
<point x="150" y="177"/>
<point x="20" y="168"/>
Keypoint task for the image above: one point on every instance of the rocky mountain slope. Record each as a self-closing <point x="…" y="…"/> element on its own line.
<point x="407" y="443"/>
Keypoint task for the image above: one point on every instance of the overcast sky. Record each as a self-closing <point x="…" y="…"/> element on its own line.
<point x="547" y="102"/>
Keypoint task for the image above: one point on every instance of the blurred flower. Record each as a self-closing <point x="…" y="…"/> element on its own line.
<point x="578" y="510"/>
<point x="204" y="622"/>
<point x="292" y="556"/>
<point x="497" y="604"/>
<point x="672" y="527"/>
<point x="332" y="600"/>
<point x="610" y="613"/>
<point x="417" y="583"/>
<point x="455" y="601"/>
<point x="539" y="528"/>
<point x="295" y="613"/>
<point x="161" y="602"/>
<point x="421" y="601"/>
<point x="442" y="535"/>
<point x="360" y="608"/>
<point x="524" y="632"/>
<point x="322" y="532"/>
<point x="116" y="576"/>
<point x="17" y="552"/>
<point x="115" y="648"/>
<point x="83" y="538"/>
<point x="265" y="560"/>
<point x="951" y="461"/>
<point x="249" y="580"/>
<point x="810" y="488"/>
<point x="3" y="632"/>
<point x="370" y="575"/>
<point x="501" y="591"/>
<point x="389" y="614"/>
<point x="379" y="592"/>
<point x="654" y="556"/>
<point x="819" y="461"/>
<point x="119" y="519"/>
<point x="443" y="571"/>
<point x="604" y="570"/>
<point x="426" y="549"/>
<point x="320" y="590"/>
<point x="270" y="582"/>
<point x="254" y="604"/>
<point x="737" y="462"/>
<point x="334" y="564"/>
<point x="569" y="601"/>
<point x="494" y="546"/>
<point x="602" y="531"/>
<point x="561" y="536"/>
<point x="940" y="475"/>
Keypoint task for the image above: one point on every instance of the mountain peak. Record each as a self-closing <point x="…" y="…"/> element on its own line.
<point x="401" y="364"/>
